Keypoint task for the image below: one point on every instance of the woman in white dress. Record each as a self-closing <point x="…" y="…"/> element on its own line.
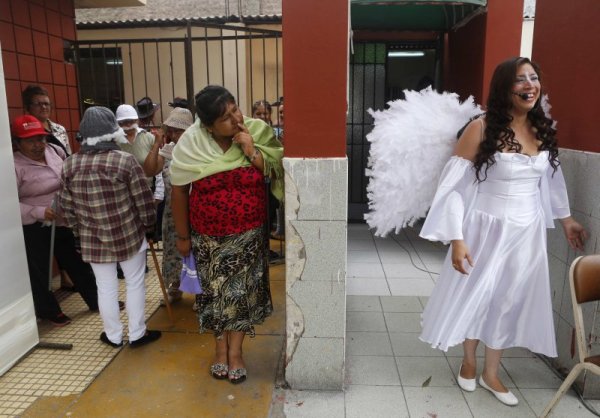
<point x="497" y="195"/>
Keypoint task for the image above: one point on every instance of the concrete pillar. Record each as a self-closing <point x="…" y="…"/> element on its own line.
<point x="315" y="60"/>
<point x="565" y="42"/>
<point x="475" y="49"/>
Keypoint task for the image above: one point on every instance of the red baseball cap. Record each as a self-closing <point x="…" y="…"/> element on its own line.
<point x="27" y="126"/>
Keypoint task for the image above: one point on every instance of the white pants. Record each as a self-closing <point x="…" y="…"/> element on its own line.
<point x="108" y="296"/>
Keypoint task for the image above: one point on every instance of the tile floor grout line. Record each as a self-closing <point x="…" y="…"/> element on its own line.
<point x="395" y="361"/>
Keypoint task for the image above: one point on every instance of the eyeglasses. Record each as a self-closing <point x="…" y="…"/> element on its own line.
<point x="127" y="122"/>
<point x="42" y="104"/>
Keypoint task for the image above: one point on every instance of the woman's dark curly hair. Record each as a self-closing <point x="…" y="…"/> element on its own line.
<point x="498" y="135"/>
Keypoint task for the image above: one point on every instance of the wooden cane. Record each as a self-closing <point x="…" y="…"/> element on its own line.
<point x="160" y="280"/>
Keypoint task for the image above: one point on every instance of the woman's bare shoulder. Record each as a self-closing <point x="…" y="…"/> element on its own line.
<point x="468" y="143"/>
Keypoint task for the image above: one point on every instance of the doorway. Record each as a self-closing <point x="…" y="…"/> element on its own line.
<point x="378" y="73"/>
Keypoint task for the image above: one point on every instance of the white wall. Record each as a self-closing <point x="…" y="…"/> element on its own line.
<point x="527" y="37"/>
<point x="18" y="327"/>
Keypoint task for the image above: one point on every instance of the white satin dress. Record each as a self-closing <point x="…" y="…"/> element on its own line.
<point x="505" y="300"/>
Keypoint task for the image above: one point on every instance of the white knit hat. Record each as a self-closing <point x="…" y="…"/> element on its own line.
<point x="126" y="112"/>
<point x="180" y="118"/>
<point x="99" y="125"/>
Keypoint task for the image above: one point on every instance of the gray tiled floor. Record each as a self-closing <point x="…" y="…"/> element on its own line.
<point x="389" y="371"/>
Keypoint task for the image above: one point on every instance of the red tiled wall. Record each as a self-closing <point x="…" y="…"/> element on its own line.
<point x="565" y="45"/>
<point x="32" y="33"/>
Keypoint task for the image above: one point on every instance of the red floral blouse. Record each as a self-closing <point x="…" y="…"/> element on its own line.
<point x="228" y="203"/>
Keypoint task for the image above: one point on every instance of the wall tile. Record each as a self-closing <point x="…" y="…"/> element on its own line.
<point x="564" y="335"/>
<point x="44" y="72"/>
<point x="71" y="74"/>
<point x="40" y="44"/>
<point x="67" y="8"/>
<point x="54" y="23"/>
<point x="61" y="97"/>
<point x="13" y="93"/>
<point x="68" y="27"/>
<point x="7" y="36"/>
<point x="75" y="120"/>
<point x="557" y="244"/>
<point x="64" y="118"/>
<point x="322" y="186"/>
<point x="20" y="13"/>
<point x="9" y="61"/>
<point x="5" y="13"/>
<point x="53" y="5"/>
<point x="324" y="371"/>
<point x="38" y="18"/>
<point x="56" y="48"/>
<point x="27" y="68"/>
<point x="73" y="98"/>
<point x="13" y="112"/>
<point x="58" y="73"/>
<point x="23" y="40"/>
<point x="323" y="306"/>
<point x="582" y="175"/>
<point x="558" y="269"/>
<point x="324" y="244"/>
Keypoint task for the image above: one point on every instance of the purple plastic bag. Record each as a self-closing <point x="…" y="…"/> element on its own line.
<point x="190" y="282"/>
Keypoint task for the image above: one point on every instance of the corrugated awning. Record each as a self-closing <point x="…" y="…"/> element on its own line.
<point x="421" y="15"/>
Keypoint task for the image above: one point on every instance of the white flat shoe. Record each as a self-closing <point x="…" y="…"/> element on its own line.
<point x="507" y="398"/>
<point x="467" y="385"/>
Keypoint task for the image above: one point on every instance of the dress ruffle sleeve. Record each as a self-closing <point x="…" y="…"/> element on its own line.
<point x="553" y="191"/>
<point x="455" y="194"/>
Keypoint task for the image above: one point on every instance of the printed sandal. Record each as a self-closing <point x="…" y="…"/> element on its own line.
<point x="219" y="371"/>
<point x="237" y="376"/>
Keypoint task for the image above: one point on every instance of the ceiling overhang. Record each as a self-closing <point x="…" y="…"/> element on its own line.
<point x="421" y="15"/>
<point x="96" y="4"/>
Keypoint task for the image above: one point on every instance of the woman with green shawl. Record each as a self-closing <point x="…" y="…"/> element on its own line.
<point x="218" y="201"/>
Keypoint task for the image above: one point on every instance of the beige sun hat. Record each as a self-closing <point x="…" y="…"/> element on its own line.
<point x="180" y="118"/>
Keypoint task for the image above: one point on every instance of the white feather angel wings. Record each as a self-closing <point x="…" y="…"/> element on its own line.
<point x="410" y="144"/>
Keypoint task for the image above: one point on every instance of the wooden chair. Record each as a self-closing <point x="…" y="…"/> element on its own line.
<point x="584" y="278"/>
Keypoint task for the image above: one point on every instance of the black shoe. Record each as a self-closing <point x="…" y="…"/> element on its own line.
<point x="149" y="337"/>
<point x="105" y="340"/>
<point x="60" y="320"/>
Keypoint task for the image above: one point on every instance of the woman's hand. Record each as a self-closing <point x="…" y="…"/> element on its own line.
<point x="574" y="233"/>
<point x="244" y="140"/>
<point x="460" y="251"/>
<point x="159" y="139"/>
<point x="49" y="214"/>
<point x="183" y="246"/>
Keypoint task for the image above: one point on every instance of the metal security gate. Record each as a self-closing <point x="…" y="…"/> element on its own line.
<point x="247" y="61"/>
<point x="379" y="72"/>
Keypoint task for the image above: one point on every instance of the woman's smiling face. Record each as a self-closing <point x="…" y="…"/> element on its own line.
<point x="526" y="88"/>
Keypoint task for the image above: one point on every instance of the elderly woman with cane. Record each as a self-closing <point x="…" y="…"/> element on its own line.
<point x="159" y="161"/>
<point x="38" y="164"/>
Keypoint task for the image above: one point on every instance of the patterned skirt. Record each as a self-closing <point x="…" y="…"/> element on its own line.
<point x="171" y="261"/>
<point x="236" y="289"/>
